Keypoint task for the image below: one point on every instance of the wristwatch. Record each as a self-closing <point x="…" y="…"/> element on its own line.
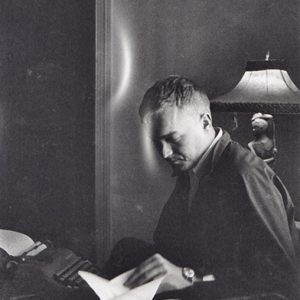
<point x="188" y="274"/>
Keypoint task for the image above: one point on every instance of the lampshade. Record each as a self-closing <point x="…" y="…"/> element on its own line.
<point x="265" y="87"/>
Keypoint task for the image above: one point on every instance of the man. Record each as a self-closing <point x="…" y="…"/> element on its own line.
<point x="228" y="228"/>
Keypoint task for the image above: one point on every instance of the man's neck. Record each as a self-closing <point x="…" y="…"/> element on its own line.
<point x="210" y="138"/>
<point x="216" y="135"/>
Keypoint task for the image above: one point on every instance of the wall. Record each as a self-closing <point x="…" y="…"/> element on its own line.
<point x="47" y="120"/>
<point x="210" y="42"/>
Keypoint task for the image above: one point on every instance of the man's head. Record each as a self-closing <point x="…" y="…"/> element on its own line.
<point x="177" y="114"/>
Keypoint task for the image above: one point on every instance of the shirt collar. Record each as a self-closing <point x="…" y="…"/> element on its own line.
<point x="204" y="161"/>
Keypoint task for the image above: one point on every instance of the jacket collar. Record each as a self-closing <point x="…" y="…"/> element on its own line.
<point x="204" y="163"/>
<point x="219" y="148"/>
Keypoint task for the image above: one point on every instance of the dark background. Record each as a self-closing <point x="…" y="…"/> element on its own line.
<point x="47" y="120"/>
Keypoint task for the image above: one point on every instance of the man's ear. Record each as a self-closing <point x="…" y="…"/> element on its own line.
<point x="206" y="120"/>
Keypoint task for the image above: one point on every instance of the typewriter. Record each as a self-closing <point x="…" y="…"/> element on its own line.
<point x="62" y="265"/>
<point x="71" y="264"/>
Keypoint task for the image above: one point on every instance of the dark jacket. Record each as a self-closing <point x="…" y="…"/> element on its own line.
<point x="240" y="227"/>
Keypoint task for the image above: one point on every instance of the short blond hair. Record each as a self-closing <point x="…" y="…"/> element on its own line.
<point x="174" y="90"/>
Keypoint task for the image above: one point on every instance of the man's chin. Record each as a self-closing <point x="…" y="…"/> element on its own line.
<point x="178" y="168"/>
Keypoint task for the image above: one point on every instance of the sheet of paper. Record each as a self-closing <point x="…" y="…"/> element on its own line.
<point x="114" y="289"/>
<point x="98" y="284"/>
<point x="117" y="283"/>
<point x="14" y="243"/>
<point x="146" y="291"/>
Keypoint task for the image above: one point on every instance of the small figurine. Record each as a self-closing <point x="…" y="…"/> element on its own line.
<point x="263" y="144"/>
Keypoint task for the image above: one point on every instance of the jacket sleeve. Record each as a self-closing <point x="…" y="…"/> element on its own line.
<point x="273" y="212"/>
<point x="267" y="251"/>
<point x="268" y="238"/>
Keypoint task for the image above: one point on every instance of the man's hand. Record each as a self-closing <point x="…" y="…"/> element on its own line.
<point x="155" y="267"/>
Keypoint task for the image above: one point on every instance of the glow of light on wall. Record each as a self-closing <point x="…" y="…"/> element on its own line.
<point x="148" y="151"/>
<point x="125" y="67"/>
<point x="122" y="70"/>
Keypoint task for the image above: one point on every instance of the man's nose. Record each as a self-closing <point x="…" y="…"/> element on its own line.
<point x="166" y="150"/>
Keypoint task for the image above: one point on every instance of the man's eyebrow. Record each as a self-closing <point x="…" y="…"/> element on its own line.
<point x="167" y="135"/>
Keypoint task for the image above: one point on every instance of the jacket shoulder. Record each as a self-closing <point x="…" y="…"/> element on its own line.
<point x="244" y="162"/>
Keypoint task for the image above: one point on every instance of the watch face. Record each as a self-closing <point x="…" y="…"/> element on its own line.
<point x="188" y="273"/>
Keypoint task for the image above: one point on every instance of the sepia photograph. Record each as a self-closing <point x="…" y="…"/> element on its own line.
<point x="149" y="149"/>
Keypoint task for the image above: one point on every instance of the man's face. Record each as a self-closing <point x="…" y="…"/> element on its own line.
<point x="180" y="136"/>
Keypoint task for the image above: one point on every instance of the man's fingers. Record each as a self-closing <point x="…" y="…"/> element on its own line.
<point x="143" y="267"/>
<point x="152" y="274"/>
<point x="146" y="274"/>
<point x="147" y="264"/>
<point x="148" y="270"/>
<point x="139" y="271"/>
